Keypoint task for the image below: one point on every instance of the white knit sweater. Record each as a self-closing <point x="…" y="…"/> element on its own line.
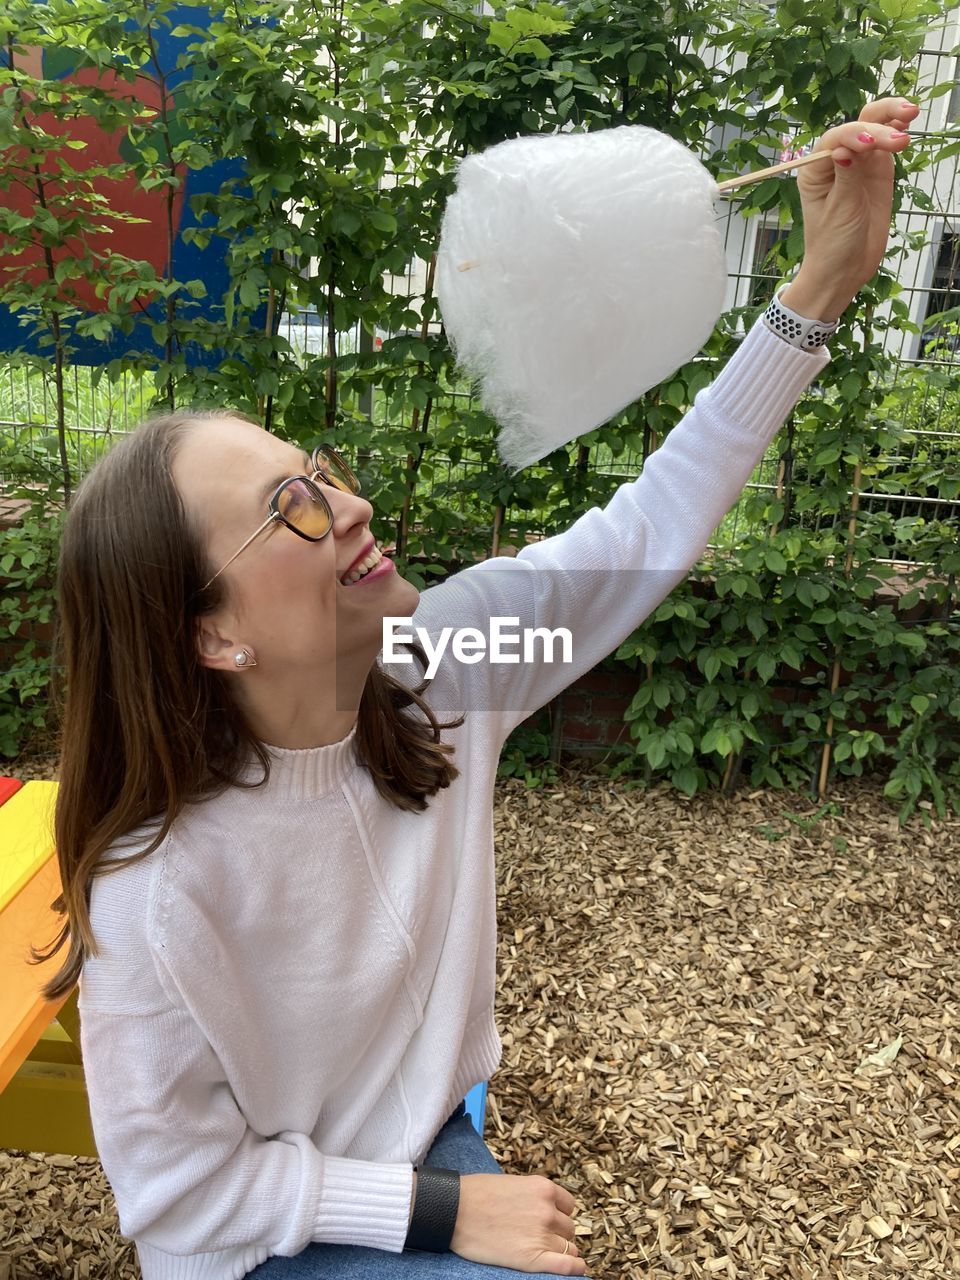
<point x="297" y="987"/>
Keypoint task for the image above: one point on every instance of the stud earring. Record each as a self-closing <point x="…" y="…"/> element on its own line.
<point x="244" y="659"/>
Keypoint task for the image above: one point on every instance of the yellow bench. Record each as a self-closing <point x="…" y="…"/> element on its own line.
<point x="43" y="1100"/>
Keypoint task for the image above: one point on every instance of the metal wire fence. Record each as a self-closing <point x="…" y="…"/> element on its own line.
<point x="924" y="386"/>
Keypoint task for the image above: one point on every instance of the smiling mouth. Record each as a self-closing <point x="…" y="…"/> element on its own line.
<point x="361" y="569"/>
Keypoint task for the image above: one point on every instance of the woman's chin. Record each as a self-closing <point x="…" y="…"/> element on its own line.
<point x="406" y="594"/>
<point x="361" y="612"/>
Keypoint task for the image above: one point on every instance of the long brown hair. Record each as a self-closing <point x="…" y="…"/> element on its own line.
<point x="145" y="727"/>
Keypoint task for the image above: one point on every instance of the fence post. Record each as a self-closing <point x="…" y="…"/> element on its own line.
<point x="413" y="461"/>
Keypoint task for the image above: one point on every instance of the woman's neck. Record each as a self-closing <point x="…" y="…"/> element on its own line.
<point x="297" y="712"/>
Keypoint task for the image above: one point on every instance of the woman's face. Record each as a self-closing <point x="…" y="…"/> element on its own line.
<point x="287" y="598"/>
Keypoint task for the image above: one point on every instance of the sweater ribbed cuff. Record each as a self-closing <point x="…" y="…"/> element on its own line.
<point x="364" y="1203"/>
<point x="762" y="381"/>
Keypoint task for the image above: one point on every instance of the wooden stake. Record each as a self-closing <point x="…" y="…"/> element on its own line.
<point x="413" y="463"/>
<point x="268" y="326"/>
<point x="835" y="676"/>
<point x="498" y="513"/>
<point x="728" y="773"/>
<point x="778" y="492"/>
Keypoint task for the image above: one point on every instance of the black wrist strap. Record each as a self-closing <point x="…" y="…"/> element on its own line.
<point x="434" y="1210"/>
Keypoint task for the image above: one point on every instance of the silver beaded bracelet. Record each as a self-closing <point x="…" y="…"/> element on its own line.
<point x="795" y="329"/>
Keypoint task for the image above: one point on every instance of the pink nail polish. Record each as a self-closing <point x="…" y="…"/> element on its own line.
<point x="846" y="163"/>
<point x="866" y="137"/>
<point x="899" y="133"/>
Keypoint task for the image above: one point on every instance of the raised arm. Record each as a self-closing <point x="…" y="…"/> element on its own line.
<point x="604" y="575"/>
<point x="601" y="578"/>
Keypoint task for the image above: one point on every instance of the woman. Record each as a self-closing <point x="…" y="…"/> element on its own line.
<point x="277" y="859"/>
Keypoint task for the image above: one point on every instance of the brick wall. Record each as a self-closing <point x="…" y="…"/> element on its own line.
<point x="591" y="710"/>
<point x="587" y="718"/>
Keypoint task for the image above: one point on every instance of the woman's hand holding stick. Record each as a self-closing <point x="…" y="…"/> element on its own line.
<point x="847" y="208"/>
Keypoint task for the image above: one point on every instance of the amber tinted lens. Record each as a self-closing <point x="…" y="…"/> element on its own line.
<point x="303" y="505"/>
<point x="335" y="471"/>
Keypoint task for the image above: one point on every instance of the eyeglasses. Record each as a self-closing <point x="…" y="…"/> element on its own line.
<point x="299" y="503"/>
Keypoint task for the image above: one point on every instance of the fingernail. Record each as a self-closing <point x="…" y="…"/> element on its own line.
<point x="899" y="133"/>
<point x="846" y="163"/>
<point x="866" y="137"/>
<point x="905" y="103"/>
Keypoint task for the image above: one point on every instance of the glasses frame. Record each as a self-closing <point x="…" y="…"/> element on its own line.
<point x="321" y="454"/>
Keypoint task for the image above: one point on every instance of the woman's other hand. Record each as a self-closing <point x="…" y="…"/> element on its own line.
<point x="518" y="1222"/>
<point x="847" y="207"/>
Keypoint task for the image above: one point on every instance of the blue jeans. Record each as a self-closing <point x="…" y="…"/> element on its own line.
<point x="457" y="1146"/>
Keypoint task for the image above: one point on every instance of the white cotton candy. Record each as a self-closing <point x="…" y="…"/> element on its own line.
<point x="599" y="270"/>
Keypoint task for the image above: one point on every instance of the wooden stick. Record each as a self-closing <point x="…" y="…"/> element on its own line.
<point x="732" y="183"/>
<point x="498" y="513"/>
<point x="835" y="676"/>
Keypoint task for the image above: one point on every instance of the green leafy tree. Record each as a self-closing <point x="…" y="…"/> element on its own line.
<point x="349" y="118"/>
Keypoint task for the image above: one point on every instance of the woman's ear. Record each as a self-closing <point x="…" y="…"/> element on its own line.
<point x="215" y="647"/>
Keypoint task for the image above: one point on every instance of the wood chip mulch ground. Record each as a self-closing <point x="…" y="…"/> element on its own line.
<point x="731" y="1028"/>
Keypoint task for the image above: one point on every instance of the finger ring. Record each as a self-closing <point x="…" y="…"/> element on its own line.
<point x="566" y="1246"/>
